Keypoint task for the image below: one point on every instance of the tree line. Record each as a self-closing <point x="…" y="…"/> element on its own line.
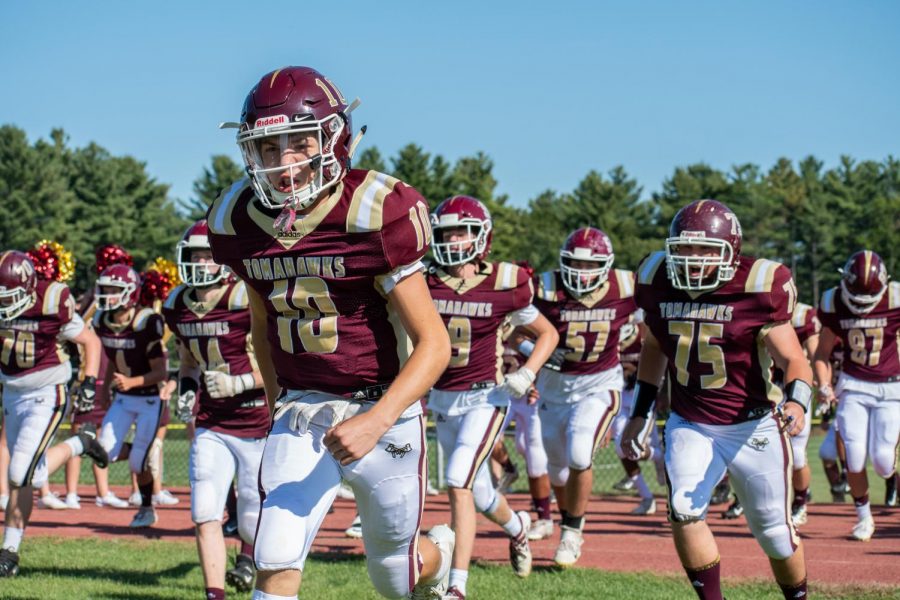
<point x="800" y="213"/>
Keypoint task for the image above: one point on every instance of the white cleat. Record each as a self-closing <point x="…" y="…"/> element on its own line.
<point x="799" y="516"/>
<point x="145" y="517"/>
<point x="344" y="492"/>
<point x="355" y="529"/>
<point x="135" y="499"/>
<point x="164" y="498"/>
<point x="111" y="500"/>
<point x="519" y="550"/>
<point x="569" y="550"/>
<point x="646" y="507"/>
<point x="73" y="502"/>
<point x="445" y="540"/>
<point x="540" y="530"/>
<point x="51" y="500"/>
<point x="864" y="530"/>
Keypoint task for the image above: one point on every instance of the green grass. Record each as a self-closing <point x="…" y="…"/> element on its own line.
<point x="147" y="570"/>
<point x="607" y="469"/>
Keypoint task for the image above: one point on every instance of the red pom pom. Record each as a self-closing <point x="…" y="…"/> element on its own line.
<point x="154" y="286"/>
<point x="112" y="254"/>
<point x="46" y="264"/>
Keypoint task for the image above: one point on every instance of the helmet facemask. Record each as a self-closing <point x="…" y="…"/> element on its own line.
<point x="460" y="252"/>
<point x="584" y="281"/>
<point x="690" y="272"/>
<point x="14" y="302"/>
<point x="326" y="169"/>
<point x="116" y="300"/>
<point x="860" y="304"/>
<point x="197" y="274"/>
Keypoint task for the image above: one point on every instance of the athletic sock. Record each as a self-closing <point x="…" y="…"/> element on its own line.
<point x="542" y="508"/>
<point x="146" y="493"/>
<point x="215" y="594"/>
<point x="642" y="488"/>
<point x="258" y="595"/>
<point x="513" y="527"/>
<point x="458" y="579"/>
<point x="792" y="592"/>
<point x="706" y="581"/>
<point x="246" y="549"/>
<point x="863" y="508"/>
<point x="12" y="538"/>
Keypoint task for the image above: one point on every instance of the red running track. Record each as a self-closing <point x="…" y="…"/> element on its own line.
<point x="615" y="539"/>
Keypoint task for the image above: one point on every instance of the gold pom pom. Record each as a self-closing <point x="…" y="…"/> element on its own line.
<point x="65" y="260"/>
<point x="168" y="268"/>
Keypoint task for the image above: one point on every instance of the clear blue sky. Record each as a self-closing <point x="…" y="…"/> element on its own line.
<point x="549" y="90"/>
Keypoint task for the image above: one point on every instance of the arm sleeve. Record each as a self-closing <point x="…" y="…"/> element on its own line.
<point x="524" y="316"/>
<point x="71" y="330"/>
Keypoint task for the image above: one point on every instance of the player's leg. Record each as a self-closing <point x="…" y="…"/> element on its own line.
<point x="760" y="469"/>
<point x="247" y="453"/>
<point x="528" y="436"/>
<point x="829" y="457"/>
<point x="884" y="438"/>
<point x="298" y="483"/>
<point x="853" y="423"/>
<point x="211" y="468"/>
<point x="149" y="414"/>
<point x="694" y="467"/>
<point x="554" y="434"/>
<point x="802" y="474"/>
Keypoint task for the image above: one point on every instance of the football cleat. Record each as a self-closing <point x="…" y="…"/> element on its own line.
<point x="51" y="501"/>
<point x="890" y="490"/>
<point x="135" y="499"/>
<point x="355" y="529"/>
<point x="345" y="492"/>
<point x="240" y="577"/>
<point x="839" y="492"/>
<point x="720" y="494"/>
<point x="624" y="485"/>
<point x="110" y="499"/>
<point x="799" y="515"/>
<point x="519" y="550"/>
<point x="230" y="526"/>
<point x="734" y="511"/>
<point x="646" y="507"/>
<point x="863" y="530"/>
<point x="9" y="563"/>
<point x="445" y="540"/>
<point x="569" y="550"/>
<point x="145" y="517"/>
<point x="73" y="501"/>
<point x="92" y="448"/>
<point x="454" y="594"/>
<point x="540" y="529"/>
<point x="164" y="498"/>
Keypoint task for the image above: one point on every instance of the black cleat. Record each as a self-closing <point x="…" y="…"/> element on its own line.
<point x="9" y="563"/>
<point x="890" y="490"/>
<point x="93" y="448"/>
<point x="241" y="575"/>
<point x="230" y="526"/>
<point x="734" y="511"/>
<point x="721" y="493"/>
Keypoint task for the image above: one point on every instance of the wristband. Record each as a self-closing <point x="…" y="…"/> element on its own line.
<point x="644" y="397"/>
<point x="800" y="392"/>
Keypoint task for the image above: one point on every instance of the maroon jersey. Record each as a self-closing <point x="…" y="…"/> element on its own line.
<point x="329" y="324"/>
<point x="719" y="369"/>
<point x="473" y="311"/>
<point x="589" y="325"/>
<point x="870" y="340"/>
<point x="805" y="322"/>
<point x="31" y="341"/>
<point x="217" y="334"/>
<point x="131" y="346"/>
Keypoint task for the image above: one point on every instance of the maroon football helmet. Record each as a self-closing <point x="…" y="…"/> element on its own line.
<point x="864" y="279"/>
<point x="585" y="244"/>
<point x="125" y="280"/>
<point x="710" y="225"/>
<point x="17" y="283"/>
<point x="279" y="113"/>
<point x="197" y="274"/>
<point x="461" y="212"/>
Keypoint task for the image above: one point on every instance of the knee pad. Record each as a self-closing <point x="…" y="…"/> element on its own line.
<point x="883" y="461"/>
<point x="682" y="508"/>
<point x="558" y="475"/>
<point x="484" y="494"/>
<point x="581" y="458"/>
<point x="776" y="541"/>
<point x="205" y="503"/>
<point x="394" y="575"/>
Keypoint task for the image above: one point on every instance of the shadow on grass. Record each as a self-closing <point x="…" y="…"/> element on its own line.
<point x="119" y="575"/>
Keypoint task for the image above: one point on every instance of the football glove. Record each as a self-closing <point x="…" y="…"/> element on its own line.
<point x="184" y="406"/>
<point x="85" y="395"/>
<point x="519" y="382"/>
<point x="222" y="385"/>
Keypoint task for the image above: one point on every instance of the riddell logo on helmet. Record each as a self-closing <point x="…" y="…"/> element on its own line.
<point x="269" y="121"/>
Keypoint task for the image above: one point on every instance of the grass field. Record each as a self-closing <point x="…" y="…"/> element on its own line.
<point x="150" y="570"/>
<point x="607" y="469"/>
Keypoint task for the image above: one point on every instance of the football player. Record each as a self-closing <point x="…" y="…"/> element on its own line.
<point x="209" y="314"/>
<point x="132" y="340"/>
<point x="587" y="302"/>
<point x="346" y="336"/>
<point x="470" y="401"/>
<point x="864" y="313"/>
<point x="718" y="322"/>
<point x="35" y="316"/>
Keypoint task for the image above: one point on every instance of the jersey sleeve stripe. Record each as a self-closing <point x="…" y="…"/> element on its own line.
<point x="367" y="204"/>
<point x="626" y="283"/>
<point x="220" y="218"/>
<point x="547" y="290"/>
<point x="506" y="276"/>
<point x="894" y="294"/>
<point x="827" y="304"/>
<point x="761" y="277"/>
<point x="173" y="295"/>
<point x="799" y="317"/>
<point x="140" y="320"/>
<point x="238" y="300"/>
<point x="51" y="298"/>
<point x="648" y="271"/>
